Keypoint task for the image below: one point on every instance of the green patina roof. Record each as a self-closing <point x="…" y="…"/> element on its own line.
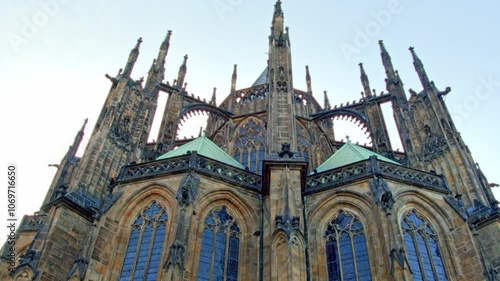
<point x="203" y="146"/>
<point x="348" y="154"/>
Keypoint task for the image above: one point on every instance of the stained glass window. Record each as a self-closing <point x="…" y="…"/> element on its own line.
<point x="302" y="145"/>
<point x="145" y="245"/>
<point x="422" y="249"/>
<point x="220" y="247"/>
<point x="249" y="147"/>
<point x="346" y="250"/>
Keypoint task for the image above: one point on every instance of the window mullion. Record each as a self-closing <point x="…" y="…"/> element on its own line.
<point x="351" y="238"/>
<point x="226" y="259"/>
<point x="148" y="259"/>
<point x="213" y="253"/>
<point x="139" y="240"/>
<point x="339" y="256"/>
<point x="419" y="256"/>
<point x="431" y="256"/>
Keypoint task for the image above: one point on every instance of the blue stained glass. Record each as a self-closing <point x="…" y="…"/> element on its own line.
<point x="219" y="256"/>
<point x="163" y="217"/>
<point x="138" y="221"/>
<point x="347" y="258"/>
<point x="332" y="261"/>
<point x="415" y="219"/>
<point x="412" y="257"/>
<point x="223" y="216"/>
<point x="424" y="256"/>
<point x="210" y="220"/>
<point x="253" y="160"/>
<point x="343" y="220"/>
<point x="356" y="225"/>
<point x="143" y="252"/>
<point x="130" y="255"/>
<point x="154" y="260"/>
<point x="237" y="156"/>
<point x="438" y="262"/>
<point x="205" y="255"/>
<point x="244" y="160"/>
<point x="152" y="211"/>
<point x="362" y="260"/>
<point x="143" y="263"/>
<point x="233" y="257"/>
<point x="262" y="152"/>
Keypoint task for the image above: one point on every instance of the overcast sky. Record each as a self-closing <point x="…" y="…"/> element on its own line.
<point x="54" y="55"/>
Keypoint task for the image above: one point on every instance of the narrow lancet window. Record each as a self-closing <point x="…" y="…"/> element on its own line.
<point x="145" y="245"/>
<point x="422" y="249"/>
<point x="346" y="250"/>
<point x="220" y="247"/>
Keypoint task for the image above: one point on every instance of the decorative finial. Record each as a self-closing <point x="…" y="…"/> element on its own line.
<point x="348" y="139"/>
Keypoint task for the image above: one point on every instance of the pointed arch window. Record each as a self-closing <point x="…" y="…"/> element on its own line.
<point x="422" y="249"/>
<point x="249" y="146"/>
<point x="145" y="245"/>
<point x="220" y="247"/>
<point x="346" y="250"/>
<point x="303" y="145"/>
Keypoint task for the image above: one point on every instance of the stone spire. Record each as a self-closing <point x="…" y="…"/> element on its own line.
<point x="327" y="101"/>
<point x="419" y="67"/>
<point x="308" y="80"/>
<point x="213" y="100"/>
<point x="386" y="61"/>
<point x="132" y="58"/>
<point x="364" y="81"/>
<point x="182" y="73"/>
<point x="78" y="140"/>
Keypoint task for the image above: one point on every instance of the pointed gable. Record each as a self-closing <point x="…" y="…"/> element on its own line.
<point x="348" y="154"/>
<point x="203" y="146"/>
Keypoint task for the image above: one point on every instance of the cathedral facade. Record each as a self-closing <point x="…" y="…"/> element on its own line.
<point x="264" y="192"/>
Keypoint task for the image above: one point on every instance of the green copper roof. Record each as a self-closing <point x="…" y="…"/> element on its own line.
<point x="348" y="154"/>
<point x="205" y="147"/>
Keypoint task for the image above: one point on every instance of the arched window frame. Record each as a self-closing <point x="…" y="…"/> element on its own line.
<point x="219" y="261"/>
<point x="346" y="249"/>
<point x="145" y="244"/>
<point x="422" y="248"/>
<point x="303" y="145"/>
<point x="250" y="141"/>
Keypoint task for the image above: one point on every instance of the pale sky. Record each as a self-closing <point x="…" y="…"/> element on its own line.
<point x="54" y="54"/>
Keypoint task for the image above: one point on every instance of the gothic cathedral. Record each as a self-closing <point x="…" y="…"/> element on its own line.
<point x="265" y="192"/>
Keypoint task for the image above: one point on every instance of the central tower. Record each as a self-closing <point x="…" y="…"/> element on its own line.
<point x="280" y="106"/>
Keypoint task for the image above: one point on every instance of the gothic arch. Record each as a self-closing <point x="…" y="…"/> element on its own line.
<point x="125" y="212"/>
<point x="363" y="209"/>
<point x="237" y="209"/>
<point x="129" y="204"/>
<point x="283" y="250"/>
<point x="304" y="143"/>
<point x="247" y="143"/>
<point x="423" y="202"/>
<point x="25" y="274"/>
<point x="439" y="221"/>
<point x="360" y="203"/>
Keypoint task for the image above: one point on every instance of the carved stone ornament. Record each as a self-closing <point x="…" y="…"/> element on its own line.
<point x="400" y="257"/>
<point x="287" y="223"/>
<point x="434" y="145"/>
<point x="176" y="256"/>
<point x="120" y="133"/>
<point x="286" y="151"/>
<point x="186" y="194"/>
<point x="382" y="193"/>
<point x="458" y="205"/>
